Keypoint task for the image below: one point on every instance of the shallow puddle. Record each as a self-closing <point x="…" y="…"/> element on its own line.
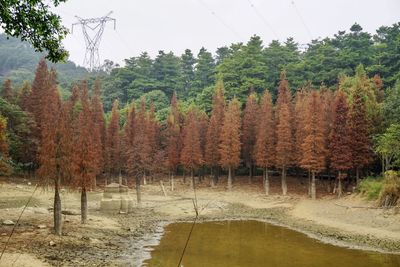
<point x="254" y="243"/>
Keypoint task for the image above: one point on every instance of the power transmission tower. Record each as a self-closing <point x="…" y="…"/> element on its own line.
<point x="93" y="29"/>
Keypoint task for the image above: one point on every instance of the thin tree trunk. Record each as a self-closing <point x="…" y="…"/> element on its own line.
<point x="57" y="208"/>
<point x="84" y="208"/>
<point x="191" y="179"/>
<point x="120" y="179"/>
<point x="184" y="177"/>
<point x="266" y="181"/>
<point x="357" y="175"/>
<point x="172" y="182"/>
<point x="284" y="185"/>
<point x="138" y="193"/>
<point x="309" y="183"/>
<point x="340" y="185"/>
<point x="230" y="178"/>
<point x="250" y="173"/>
<point x="313" y="189"/>
<point x="144" y="178"/>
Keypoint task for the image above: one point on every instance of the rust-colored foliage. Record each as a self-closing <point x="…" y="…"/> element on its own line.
<point x="264" y="150"/>
<point x="359" y="142"/>
<point x="202" y="119"/>
<point x="151" y="145"/>
<point x="340" y="155"/>
<point x="173" y="136"/>
<point x="84" y="158"/>
<point x="379" y="92"/>
<point x="24" y="96"/>
<point x="7" y="92"/>
<point x="284" y="129"/>
<point x="212" y="153"/>
<point x="4" y="167"/>
<point x="112" y="146"/>
<point x="191" y="155"/>
<point x="313" y="147"/>
<point x="249" y="125"/>
<point x="99" y="130"/>
<point x="299" y="123"/>
<point x="229" y="147"/>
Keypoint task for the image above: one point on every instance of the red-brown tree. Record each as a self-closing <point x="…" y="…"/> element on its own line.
<point x="313" y="147"/>
<point x="249" y="124"/>
<point x="284" y="131"/>
<point x="191" y="155"/>
<point x="339" y="153"/>
<point x="112" y="146"/>
<point x="212" y="154"/>
<point x="173" y="139"/>
<point x="229" y="147"/>
<point x="265" y="144"/>
<point x="7" y="92"/>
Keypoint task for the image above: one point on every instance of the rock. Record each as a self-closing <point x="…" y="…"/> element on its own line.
<point x="70" y="212"/>
<point x="52" y="243"/>
<point x="29" y="183"/>
<point x="41" y="226"/>
<point x="19" y="186"/>
<point x="3" y="234"/>
<point x="8" y="222"/>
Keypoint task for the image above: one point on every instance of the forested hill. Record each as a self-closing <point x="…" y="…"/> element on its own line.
<point x="256" y="66"/>
<point x="243" y="67"/>
<point x="18" y="61"/>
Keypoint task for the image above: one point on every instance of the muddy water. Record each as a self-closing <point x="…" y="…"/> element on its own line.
<point x="253" y="243"/>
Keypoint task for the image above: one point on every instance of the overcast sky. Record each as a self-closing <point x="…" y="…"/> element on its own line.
<point x="174" y="25"/>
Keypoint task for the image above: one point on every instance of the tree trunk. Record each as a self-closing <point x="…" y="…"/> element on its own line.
<point x="138" y="193"/>
<point x="84" y="208"/>
<point x="144" y="178"/>
<point x="357" y="175"/>
<point x="191" y="179"/>
<point x="172" y="182"/>
<point x="120" y="179"/>
<point x="313" y="189"/>
<point x="284" y="185"/>
<point x="339" y="185"/>
<point x="230" y="178"/>
<point x="184" y="177"/>
<point x="309" y="183"/>
<point x="250" y="173"/>
<point x="57" y="208"/>
<point x="266" y="181"/>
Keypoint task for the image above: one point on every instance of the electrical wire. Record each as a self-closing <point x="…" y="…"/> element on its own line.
<point x="220" y="19"/>
<point x="263" y="19"/>
<point x="302" y="20"/>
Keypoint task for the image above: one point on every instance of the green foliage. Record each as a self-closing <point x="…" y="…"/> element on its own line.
<point x="371" y="187"/>
<point x="33" y="21"/>
<point x="387" y="145"/>
<point x="390" y="193"/>
<point x="391" y="106"/>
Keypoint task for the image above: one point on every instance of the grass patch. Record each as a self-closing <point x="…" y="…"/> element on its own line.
<point x="371" y="187"/>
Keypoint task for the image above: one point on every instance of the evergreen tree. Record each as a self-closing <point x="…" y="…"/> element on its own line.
<point x="265" y="138"/>
<point x="7" y="92"/>
<point x="4" y="166"/>
<point x="204" y="74"/>
<point x="229" y="146"/>
<point x="188" y="63"/>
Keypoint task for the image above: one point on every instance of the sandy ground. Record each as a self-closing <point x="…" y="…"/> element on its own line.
<point x="115" y="240"/>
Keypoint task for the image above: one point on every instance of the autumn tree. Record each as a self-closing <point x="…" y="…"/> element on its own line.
<point x="48" y="164"/>
<point x="284" y="130"/>
<point x="359" y="145"/>
<point x="212" y="152"/>
<point x="202" y="120"/>
<point x="191" y="155"/>
<point x="24" y="96"/>
<point x="173" y="139"/>
<point x="313" y="147"/>
<point x="84" y="160"/>
<point x="299" y="123"/>
<point x="4" y="166"/>
<point x="7" y="92"/>
<point x="265" y="143"/>
<point x="339" y="153"/>
<point x="112" y="145"/>
<point x="249" y="124"/>
<point x="99" y="130"/>
<point x="150" y="148"/>
<point x="229" y="146"/>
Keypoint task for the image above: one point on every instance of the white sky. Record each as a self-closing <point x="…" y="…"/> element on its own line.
<point x="174" y="25"/>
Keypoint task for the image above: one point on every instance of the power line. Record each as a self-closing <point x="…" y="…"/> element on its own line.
<point x="263" y="19"/>
<point x="220" y="19"/>
<point x="301" y="19"/>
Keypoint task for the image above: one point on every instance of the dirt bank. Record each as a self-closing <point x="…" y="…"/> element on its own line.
<point x="118" y="240"/>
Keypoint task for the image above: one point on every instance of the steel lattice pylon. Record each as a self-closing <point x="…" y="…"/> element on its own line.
<point x="92" y="31"/>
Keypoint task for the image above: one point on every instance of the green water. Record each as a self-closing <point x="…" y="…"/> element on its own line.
<point x="253" y="243"/>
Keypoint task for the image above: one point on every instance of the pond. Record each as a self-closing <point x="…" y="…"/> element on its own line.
<point x="254" y="243"/>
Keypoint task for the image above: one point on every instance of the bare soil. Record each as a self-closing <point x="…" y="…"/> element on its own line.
<point x="120" y="240"/>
